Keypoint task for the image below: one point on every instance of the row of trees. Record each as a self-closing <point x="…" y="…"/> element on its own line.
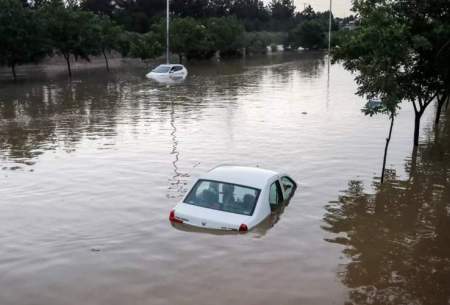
<point x="28" y="35"/>
<point x="401" y="52"/>
<point x="31" y="31"/>
<point x="139" y="15"/>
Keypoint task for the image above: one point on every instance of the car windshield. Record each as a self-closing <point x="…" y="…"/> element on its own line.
<point x="223" y="196"/>
<point x="161" y="69"/>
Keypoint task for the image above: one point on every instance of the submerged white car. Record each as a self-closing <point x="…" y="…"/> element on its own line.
<point x="233" y="198"/>
<point x="168" y="72"/>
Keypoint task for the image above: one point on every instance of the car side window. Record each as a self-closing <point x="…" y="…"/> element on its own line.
<point x="288" y="186"/>
<point x="177" y="68"/>
<point x="275" y="195"/>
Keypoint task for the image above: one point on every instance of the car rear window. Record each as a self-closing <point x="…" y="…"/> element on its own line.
<point x="223" y="196"/>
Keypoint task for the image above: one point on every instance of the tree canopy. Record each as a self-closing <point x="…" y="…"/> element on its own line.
<point x="398" y="52"/>
<point x="22" y="37"/>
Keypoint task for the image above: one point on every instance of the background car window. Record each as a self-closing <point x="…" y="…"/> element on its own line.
<point x="177" y="68"/>
<point x="288" y="186"/>
<point x="275" y="196"/>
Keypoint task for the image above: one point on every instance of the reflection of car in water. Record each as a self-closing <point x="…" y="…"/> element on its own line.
<point x="233" y="198"/>
<point x="168" y="73"/>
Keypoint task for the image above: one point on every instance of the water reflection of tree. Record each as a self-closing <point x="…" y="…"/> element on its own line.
<point x="40" y="117"/>
<point x="397" y="238"/>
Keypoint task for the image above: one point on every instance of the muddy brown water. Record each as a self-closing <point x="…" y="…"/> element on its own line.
<point x="89" y="170"/>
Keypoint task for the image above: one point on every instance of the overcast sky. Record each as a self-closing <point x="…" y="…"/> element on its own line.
<point x="341" y="8"/>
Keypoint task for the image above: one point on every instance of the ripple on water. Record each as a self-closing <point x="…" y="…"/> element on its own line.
<point x="111" y="156"/>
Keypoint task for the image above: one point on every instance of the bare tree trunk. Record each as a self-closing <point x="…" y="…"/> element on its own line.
<point x="13" y="69"/>
<point x="67" y="57"/>
<point x="418" y="116"/>
<point x="441" y="102"/>
<point x="448" y="101"/>
<point x="419" y="109"/>
<point x="388" y="139"/>
<point x="412" y="170"/>
<point x="180" y="58"/>
<point x="106" y="60"/>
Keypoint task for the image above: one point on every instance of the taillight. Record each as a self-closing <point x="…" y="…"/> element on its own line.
<point x="172" y="217"/>
<point x="243" y="228"/>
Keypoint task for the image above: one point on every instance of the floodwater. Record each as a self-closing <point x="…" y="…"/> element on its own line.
<point x="89" y="170"/>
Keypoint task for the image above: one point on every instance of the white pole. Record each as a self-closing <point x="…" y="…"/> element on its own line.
<point x="329" y="31"/>
<point x="167" y="31"/>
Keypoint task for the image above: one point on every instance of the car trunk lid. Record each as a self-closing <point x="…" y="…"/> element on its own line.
<point x="209" y="218"/>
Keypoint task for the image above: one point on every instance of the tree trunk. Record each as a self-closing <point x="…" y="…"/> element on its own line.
<point x="388" y="139"/>
<point x="441" y="103"/>
<point x="67" y="57"/>
<point x="412" y="171"/>
<point x="106" y="60"/>
<point x="418" y="115"/>
<point x="13" y="69"/>
<point x="180" y="58"/>
<point x="446" y="105"/>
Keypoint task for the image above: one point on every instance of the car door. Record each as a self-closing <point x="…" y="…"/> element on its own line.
<point x="276" y="197"/>
<point x="288" y="186"/>
<point x="177" y="70"/>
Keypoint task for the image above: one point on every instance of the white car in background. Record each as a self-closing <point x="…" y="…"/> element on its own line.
<point x="233" y="198"/>
<point x="168" y="73"/>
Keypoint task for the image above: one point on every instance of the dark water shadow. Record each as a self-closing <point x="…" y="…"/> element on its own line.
<point x="397" y="237"/>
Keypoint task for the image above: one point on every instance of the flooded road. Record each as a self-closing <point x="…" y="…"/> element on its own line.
<point x="90" y="169"/>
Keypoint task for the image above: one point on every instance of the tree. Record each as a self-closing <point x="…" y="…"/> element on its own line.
<point x="190" y="8"/>
<point x="282" y="9"/>
<point x="393" y="47"/>
<point x="188" y="38"/>
<point x="224" y="33"/>
<point x="256" y="42"/>
<point x="389" y="105"/>
<point x="100" y="7"/>
<point x="309" y="35"/>
<point x="109" y="35"/>
<point x="22" y="38"/>
<point x="145" y="46"/>
<point x="73" y="32"/>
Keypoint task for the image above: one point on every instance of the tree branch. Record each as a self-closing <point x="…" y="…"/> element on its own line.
<point x="415" y="107"/>
<point x="430" y="100"/>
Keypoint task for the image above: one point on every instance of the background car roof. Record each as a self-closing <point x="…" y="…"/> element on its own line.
<point x="170" y="65"/>
<point x="249" y="176"/>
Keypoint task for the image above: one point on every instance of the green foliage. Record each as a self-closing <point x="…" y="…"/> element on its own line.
<point x="139" y="15"/>
<point x="189" y="38"/>
<point x="257" y="42"/>
<point x="72" y="31"/>
<point x="109" y="34"/>
<point x="398" y="54"/>
<point x="338" y="38"/>
<point x="80" y="29"/>
<point x="145" y="46"/>
<point x="22" y="36"/>
<point x="224" y="34"/>
<point x="282" y="9"/>
<point x="379" y="49"/>
<point x="309" y="35"/>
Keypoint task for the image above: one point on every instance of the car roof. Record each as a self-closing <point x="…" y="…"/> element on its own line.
<point x="170" y="65"/>
<point x="249" y="176"/>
